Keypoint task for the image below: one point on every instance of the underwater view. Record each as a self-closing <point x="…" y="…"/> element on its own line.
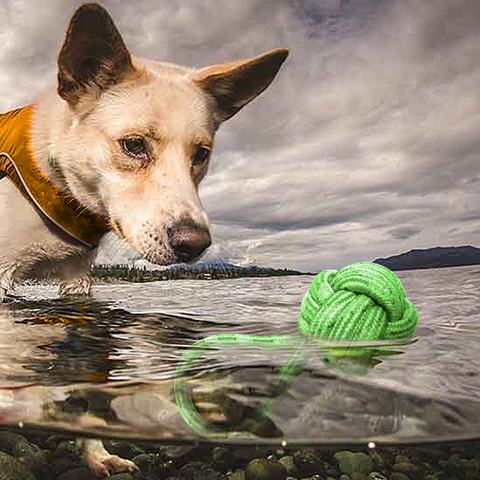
<point x="105" y="368"/>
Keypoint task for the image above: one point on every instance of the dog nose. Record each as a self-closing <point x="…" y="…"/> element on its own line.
<point x="188" y="240"/>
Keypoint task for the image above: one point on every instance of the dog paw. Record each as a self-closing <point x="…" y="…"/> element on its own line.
<point x="78" y="286"/>
<point x="108" y="464"/>
<point x="103" y="463"/>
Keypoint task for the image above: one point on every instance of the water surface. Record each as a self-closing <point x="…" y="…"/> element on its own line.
<point x="114" y="357"/>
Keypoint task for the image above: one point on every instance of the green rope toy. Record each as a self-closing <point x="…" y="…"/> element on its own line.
<point x="362" y="302"/>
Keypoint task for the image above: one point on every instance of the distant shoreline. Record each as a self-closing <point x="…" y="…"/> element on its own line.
<point x="103" y="277"/>
<point x="128" y="274"/>
<point x="416" y="259"/>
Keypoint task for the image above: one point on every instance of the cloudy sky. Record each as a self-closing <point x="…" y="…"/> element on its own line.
<point x="365" y="145"/>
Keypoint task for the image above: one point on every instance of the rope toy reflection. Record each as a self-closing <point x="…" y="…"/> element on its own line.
<point x="362" y="302"/>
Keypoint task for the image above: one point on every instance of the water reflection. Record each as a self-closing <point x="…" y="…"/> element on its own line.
<point x="95" y="368"/>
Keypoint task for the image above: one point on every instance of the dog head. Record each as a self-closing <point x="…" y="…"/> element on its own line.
<point x="139" y="134"/>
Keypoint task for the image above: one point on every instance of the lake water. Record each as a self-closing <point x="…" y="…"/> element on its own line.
<point x="114" y="357"/>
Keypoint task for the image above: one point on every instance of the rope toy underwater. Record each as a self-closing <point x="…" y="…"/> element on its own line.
<point x="362" y="302"/>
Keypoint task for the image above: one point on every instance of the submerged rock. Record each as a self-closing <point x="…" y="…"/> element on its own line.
<point x="9" y="441"/>
<point x="198" y="471"/>
<point x="123" y="449"/>
<point x="122" y="476"/>
<point x="290" y="466"/>
<point x="81" y="473"/>
<point x="39" y="463"/>
<point x="308" y="462"/>
<point x="264" y="469"/>
<point x="350" y="462"/>
<point x="13" y="469"/>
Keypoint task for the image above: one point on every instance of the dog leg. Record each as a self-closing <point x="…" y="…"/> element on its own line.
<point x="76" y="286"/>
<point x="75" y="275"/>
<point x="6" y="282"/>
<point x="100" y="461"/>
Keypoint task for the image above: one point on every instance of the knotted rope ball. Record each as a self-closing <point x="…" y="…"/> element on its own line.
<point x="361" y="302"/>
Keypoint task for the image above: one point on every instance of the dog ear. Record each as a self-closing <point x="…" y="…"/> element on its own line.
<point x="235" y="84"/>
<point x="93" y="53"/>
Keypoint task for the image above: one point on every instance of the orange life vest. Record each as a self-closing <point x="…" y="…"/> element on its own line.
<point x="18" y="164"/>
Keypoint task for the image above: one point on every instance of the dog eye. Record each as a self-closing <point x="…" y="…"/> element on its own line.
<point x="135" y="146"/>
<point x="201" y="155"/>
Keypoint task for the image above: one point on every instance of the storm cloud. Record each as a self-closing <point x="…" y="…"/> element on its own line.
<point x="365" y="145"/>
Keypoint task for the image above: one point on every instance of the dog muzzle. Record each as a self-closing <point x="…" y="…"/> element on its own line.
<point x="17" y="162"/>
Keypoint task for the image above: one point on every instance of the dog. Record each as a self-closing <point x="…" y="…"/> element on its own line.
<point x="121" y="143"/>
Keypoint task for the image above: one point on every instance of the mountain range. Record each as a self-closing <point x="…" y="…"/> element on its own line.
<point x="436" y="257"/>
